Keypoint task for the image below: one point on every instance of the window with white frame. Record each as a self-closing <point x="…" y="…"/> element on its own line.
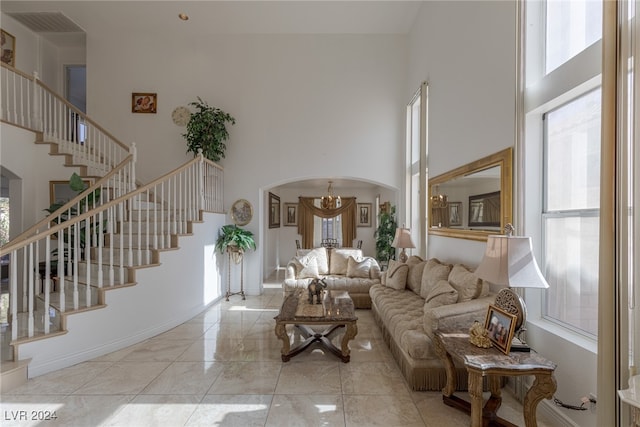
<point x="562" y="155"/>
<point x="571" y="211"/>
<point x="416" y="174"/>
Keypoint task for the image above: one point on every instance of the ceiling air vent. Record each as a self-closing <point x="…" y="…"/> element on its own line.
<point x="46" y="22"/>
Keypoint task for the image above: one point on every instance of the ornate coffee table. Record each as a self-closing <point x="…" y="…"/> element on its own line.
<point x="336" y="311"/>
<point x="493" y="364"/>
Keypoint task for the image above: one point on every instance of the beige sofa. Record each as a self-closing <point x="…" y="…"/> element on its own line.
<point x="415" y="299"/>
<point x="344" y="269"/>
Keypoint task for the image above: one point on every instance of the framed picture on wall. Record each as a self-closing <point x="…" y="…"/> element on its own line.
<point x="144" y="102"/>
<point x="290" y="214"/>
<point x="274" y="211"/>
<point x="8" y="48"/>
<point x="60" y="192"/>
<point x="455" y="214"/>
<point x="364" y="214"/>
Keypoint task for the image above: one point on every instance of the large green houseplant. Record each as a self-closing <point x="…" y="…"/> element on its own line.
<point x="207" y="130"/>
<point x="235" y="240"/>
<point x="384" y="235"/>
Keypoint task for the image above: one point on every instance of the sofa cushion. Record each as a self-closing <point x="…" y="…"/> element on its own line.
<point x="441" y="294"/>
<point x="468" y="285"/>
<point x="414" y="276"/>
<point x="434" y="271"/>
<point x="397" y="275"/>
<point x="359" y="268"/>
<point x="340" y="257"/>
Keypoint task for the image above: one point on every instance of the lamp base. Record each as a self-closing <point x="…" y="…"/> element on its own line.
<point x="519" y="346"/>
<point x="403" y="256"/>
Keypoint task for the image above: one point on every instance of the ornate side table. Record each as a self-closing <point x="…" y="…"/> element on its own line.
<point x="493" y="364"/>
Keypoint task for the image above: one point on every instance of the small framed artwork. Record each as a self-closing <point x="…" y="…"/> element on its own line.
<point x="290" y="214"/>
<point x="455" y="214"/>
<point x="364" y="215"/>
<point x="274" y="211"/>
<point x="8" y="48"/>
<point x="144" y="102"/>
<point x="60" y="192"/>
<point x="501" y="326"/>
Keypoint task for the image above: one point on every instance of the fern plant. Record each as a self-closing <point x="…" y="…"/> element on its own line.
<point x="207" y="130"/>
<point x="235" y="238"/>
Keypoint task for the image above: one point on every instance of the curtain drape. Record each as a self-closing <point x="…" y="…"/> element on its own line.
<point x="307" y="210"/>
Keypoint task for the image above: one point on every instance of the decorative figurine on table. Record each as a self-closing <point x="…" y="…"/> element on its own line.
<point x="479" y="336"/>
<point x="315" y="288"/>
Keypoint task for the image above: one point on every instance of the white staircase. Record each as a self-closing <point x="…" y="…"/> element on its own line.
<point x="51" y="306"/>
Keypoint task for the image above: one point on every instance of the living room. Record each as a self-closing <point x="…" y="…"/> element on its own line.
<point x="312" y="101"/>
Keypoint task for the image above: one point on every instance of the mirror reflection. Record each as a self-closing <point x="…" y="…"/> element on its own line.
<point x="474" y="200"/>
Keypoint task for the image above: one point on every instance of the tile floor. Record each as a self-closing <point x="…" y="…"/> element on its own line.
<point x="223" y="368"/>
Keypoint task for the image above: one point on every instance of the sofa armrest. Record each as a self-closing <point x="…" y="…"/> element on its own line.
<point x="290" y="272"/>
<point x="459" y="316"/>
<point x="374" y="271"/>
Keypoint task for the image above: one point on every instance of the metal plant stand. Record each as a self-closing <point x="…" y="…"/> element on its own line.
<point x="241" y="292"/>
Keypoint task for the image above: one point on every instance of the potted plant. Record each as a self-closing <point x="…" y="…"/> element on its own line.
<point x="384" y="236"/>
<point x="207" y="130"/>
<point x="235" y="240"/>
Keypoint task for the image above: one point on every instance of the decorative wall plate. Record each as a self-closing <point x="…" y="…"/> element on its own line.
<point x="181" y="116"/>
<point x="241" y="212"/>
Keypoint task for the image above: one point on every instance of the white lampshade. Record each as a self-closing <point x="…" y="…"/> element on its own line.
<point x="509" y="261"/>
<point x="402" y="239"/>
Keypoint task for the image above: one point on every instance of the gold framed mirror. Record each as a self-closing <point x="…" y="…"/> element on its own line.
<point x="474" y="200"/>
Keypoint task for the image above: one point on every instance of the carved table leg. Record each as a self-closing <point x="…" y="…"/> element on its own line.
<point x="475" y="392"/>
<point x="450" y="386"/>
<point x="544" y="386"/>
<point x="281" y="333"/>
<point x="350" y="333"/>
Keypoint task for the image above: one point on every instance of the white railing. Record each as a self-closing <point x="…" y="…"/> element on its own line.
<point x="28" y="103"/>
<point x="64" y="263"/>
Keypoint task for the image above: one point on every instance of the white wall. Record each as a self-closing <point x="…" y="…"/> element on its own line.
<point x="306" y="106"/>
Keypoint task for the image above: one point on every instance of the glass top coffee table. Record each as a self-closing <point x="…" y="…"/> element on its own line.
<point x="336" y="311"/>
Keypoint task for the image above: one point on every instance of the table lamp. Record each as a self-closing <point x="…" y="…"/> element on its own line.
<point x="509" y="261"/>
<point x="402" y="240"/>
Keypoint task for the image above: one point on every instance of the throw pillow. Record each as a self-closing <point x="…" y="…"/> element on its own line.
<point x="339" y="259"/>
<point x="358" y="268"/>
<point x="310" y="270"/>
<point x="434" y="271"/>
<point x="441" y="294"/>
<point x="414" y="277"/>
<point x="320" y="254"/>
<point x="397" y="275"/>
<point x="468" y="285"/>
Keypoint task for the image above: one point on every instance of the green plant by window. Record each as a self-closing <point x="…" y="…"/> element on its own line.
<point x="207" y="130"/>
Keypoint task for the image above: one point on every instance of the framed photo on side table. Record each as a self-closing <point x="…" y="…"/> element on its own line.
<point x="364" y="215"/>
<point x="290" y="214"/>
<point x="274" y="211"/>
<point x="501" y="326"/>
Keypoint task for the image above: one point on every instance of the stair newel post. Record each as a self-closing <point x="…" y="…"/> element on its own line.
<point x="47" y="281"/>
<point x="13" y="293"/>
<point x="200" y="175"/>
<point x="74" y="254"/>
<point x="61" y="270"/>
<point x="30" y="286"/>
<point x="134" y="152"/>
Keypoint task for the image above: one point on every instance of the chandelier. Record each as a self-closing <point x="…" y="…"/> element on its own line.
<point x="438" y="200"/>
<point x="329" y="201"/>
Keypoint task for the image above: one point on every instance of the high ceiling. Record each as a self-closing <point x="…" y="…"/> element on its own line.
<point x="231" y="17"/>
